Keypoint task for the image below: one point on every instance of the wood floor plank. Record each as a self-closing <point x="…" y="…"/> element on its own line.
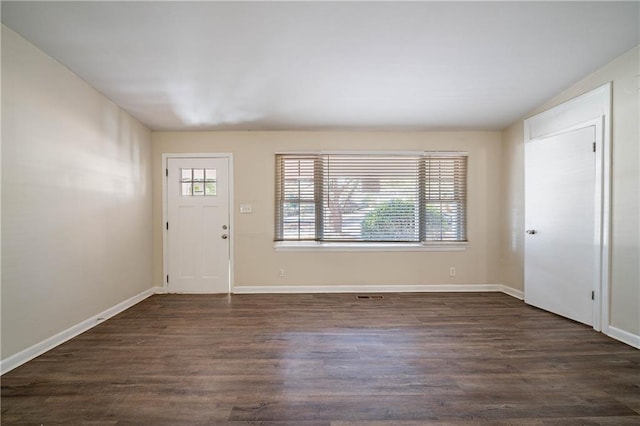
<point x="330" y="359"/>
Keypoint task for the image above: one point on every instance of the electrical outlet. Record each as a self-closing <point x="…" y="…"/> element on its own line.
<point x="282" y="272"/>
<point x="452" y="272"/>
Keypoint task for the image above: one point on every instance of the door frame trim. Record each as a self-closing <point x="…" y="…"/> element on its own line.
<point x="165" y="210"/>
<point x="590" y="109"/>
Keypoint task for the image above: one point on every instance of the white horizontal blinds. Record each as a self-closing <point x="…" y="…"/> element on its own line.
<point x="445" y="197"/>
<point x="370" y="198"/>
<point x="295" y="197"/>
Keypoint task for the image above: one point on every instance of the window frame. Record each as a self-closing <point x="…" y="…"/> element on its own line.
<point x="347" y="246"/>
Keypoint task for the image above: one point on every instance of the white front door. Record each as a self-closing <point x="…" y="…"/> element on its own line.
<point x="561" y="243"/>
<point x="198" y="225"/>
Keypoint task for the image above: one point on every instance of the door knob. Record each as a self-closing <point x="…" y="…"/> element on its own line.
<point x="225" y="236"/>
<point x="530" y="231"/>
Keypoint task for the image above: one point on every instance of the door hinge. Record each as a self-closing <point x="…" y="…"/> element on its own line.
<point x="167" y="226"/>
<point x="167" y="279"/>
<point x="166" y="172"/>
<point x="594" y="147"/>
<point x="593" y="295"/>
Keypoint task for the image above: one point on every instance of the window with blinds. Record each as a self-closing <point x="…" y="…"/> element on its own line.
<point x="406" y="198"/>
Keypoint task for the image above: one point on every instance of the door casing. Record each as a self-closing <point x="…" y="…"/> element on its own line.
<point x="591" y="109"/>
<point x="165" y="211"/>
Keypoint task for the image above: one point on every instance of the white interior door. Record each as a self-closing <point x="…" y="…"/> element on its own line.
<point x="198" y="225"/>
<point x="561" y="244"/>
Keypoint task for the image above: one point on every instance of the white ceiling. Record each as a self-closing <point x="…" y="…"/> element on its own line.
<point x="328" y="65"/>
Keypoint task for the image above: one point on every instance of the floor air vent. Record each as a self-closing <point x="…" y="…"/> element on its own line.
<point x="366" y="297"/>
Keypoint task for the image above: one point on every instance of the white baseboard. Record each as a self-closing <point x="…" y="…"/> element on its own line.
<point x="160" y="290"/>
<point x="38" y="349"/>
<point x="420" y="288"/>
<point x="518" y="294"/>
<point x="624" y="336"/>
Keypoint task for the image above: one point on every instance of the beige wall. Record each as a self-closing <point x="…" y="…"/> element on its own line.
<point x="512" y="208"/>
<point x="76" y="199"/>
<point x="256" y="261"/>
<point x="625" y="210"/>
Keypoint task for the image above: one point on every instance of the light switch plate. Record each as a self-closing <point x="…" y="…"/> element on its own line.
<point x="246" y="208"/>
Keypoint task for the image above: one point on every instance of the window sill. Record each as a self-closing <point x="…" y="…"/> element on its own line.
<point x="360" y="247"/>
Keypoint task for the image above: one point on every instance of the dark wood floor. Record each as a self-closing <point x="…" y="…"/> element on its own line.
<point x="408" y="359"/>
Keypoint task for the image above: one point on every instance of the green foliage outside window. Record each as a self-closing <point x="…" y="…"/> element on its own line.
<point x="394" y="220"/>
